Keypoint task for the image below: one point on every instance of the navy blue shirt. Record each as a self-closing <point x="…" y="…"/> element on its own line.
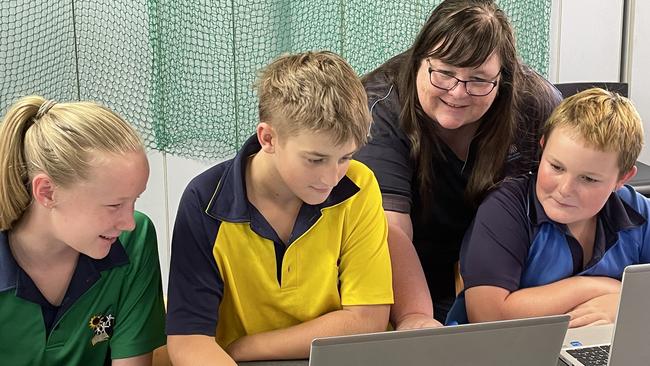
<point x="513" y="244"/>
<point x="438" y="228"/>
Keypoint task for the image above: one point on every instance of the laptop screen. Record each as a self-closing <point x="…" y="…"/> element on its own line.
<point x="531" y="342"/>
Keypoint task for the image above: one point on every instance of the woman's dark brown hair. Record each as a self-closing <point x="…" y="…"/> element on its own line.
<point x="463" y="33"/>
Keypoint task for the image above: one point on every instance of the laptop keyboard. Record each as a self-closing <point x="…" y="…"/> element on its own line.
<point x="591" y="356"/>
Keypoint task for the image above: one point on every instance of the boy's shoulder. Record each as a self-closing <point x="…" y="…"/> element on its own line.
<point x="209" y="178"/>
<point x="363" y="178"/>
<point x="217" y="193"/>
<point x="516" y="189"/>
<point x="204" y="188"/>
<point x="629" y="195"/>
<point x="228" y="173"/>
<point x="512" y="198"/>
<point x="359" y="173"/>
<point x="635" y="205"/>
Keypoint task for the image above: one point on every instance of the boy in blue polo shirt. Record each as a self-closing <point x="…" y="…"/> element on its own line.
<point x="557" y="242"/>
<point x="287" y="241"/>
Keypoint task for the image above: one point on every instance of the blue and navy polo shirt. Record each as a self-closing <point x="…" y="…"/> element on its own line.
<point x="513" y="244"/>
<point x="231" y="275"/>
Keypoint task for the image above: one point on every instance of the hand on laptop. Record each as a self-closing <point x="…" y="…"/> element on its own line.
<point x="413" y="321"/>
<point x="597" y="311"/>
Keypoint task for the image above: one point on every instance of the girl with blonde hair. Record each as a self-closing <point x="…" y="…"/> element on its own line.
<point x="79" y="274"/>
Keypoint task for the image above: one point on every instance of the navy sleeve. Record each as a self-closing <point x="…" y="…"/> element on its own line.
<point x="495" y="246"/>
<point x="388" y="150"/>
<point x="195" y="284"/>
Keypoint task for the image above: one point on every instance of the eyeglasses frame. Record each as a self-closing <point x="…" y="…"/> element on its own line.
<point x="458" y="81"/>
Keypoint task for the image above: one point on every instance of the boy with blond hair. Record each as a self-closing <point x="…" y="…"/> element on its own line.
<point x="557" y="241"/>
<point x="287" y="241"/>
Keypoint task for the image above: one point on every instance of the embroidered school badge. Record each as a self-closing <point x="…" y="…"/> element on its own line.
<point x="102" y="326"/>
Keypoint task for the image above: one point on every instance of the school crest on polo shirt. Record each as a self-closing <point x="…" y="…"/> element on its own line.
<point x="102" y="327"/>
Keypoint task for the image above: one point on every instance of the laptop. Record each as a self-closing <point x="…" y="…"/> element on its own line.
<point x="531" y="342"/>
<point x="623" y="343"/>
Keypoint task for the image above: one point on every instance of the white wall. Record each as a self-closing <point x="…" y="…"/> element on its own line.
<point x="168" y="178"/>
<point x="586" y="40"/>
<point x="586" y="43"/>
<point x="639" y="66"/>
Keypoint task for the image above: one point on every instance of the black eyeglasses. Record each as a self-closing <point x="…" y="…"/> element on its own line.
<point x="444" y="81"/>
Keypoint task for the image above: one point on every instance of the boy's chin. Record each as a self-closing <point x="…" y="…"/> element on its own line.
<point x="564" y="218"/>
<point x="314" y="199"/>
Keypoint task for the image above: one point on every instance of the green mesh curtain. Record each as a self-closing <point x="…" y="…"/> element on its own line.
<point x="182" y="71"/>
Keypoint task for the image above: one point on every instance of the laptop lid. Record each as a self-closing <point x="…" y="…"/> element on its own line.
<point x="531" y="341"/>
<point x="630" y="339"/>
<point x="628" y="336"/>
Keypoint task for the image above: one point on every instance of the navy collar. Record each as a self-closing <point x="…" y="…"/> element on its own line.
<point x="8" y="266"/>
<point x="87" y="272"/>
<point x="615" y="216"/>
<point x="230" y="203"/>
<point x="537" y="214"/>
<point x="620" y="215"/>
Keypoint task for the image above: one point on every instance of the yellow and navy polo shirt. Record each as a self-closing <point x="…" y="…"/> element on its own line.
<point x="231" y="275"/>
<point x="113" y="307"/>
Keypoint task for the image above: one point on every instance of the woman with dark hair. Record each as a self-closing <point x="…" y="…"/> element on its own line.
<point x="452" y="116"/>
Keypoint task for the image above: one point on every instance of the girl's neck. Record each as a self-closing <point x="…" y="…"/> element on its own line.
<point x="33" y="245"/>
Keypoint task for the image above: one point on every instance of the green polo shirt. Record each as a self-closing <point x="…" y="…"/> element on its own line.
<point x="113" y="307"/>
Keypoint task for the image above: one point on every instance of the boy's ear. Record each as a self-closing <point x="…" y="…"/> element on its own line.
<point x="626" y="177"/>
<point x="541" y="142"/>
<point x="267" y="137"/>
<point x="43" y="190"/>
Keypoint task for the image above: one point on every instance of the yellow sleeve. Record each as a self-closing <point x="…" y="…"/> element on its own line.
<point x="365" y="270"/>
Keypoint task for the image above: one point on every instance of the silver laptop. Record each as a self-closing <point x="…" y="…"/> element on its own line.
<point x="531" y="342"/>
<point x="626" y="342"/>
